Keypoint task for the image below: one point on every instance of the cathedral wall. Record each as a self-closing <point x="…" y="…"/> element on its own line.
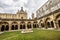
<point x="48" y="7"/>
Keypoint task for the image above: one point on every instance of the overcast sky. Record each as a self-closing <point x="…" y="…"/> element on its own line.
<point x="12" y="6"/>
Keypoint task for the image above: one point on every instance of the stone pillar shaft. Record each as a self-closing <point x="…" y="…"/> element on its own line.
<point x="18" y="26"/>
<point x="26" y="25"/>
<point x="32" y="25"/>
<point x="10" y="27"/>
<point x="55" y="24"/>
<point x="0" y="27"/>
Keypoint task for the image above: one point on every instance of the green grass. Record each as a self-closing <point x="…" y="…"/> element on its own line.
<point x="36" y="35"/>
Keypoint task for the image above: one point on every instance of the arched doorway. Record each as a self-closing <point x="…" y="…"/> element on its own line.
<point x="14" y="26"/>
<point x="35" y="25"/>
<point x="41" y="23"/>
<point x="49" y="23"/>
<point x="58" y="20"/>
<point x="22" y="25"/>
<point x="4" y="26"/>
<point x="29" y="25"/>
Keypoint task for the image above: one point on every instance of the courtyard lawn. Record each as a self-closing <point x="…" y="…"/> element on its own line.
<point x="36" y="35"/>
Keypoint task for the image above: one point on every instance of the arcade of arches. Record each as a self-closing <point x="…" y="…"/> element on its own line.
<point x="4" y="26"/>
<point x="49" y="21"/>
<point x="45" y="22"/>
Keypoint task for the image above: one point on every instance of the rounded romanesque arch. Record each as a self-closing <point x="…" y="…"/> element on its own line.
<point x="22" y="25"/>
<point x="29" y="25"/>
<point x="49" y="23"/>
<point x="57" y="18"/>
<point x="35" y="25"/>
<point x="4" y="26"/>
<point x="14" y="26"/>
<point x="41" y="23"/>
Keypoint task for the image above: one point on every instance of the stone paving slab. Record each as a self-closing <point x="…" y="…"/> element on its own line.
<point x="1" y="32"/>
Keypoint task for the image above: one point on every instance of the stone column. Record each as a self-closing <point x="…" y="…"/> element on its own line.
<point x="10" y="26"/>
<point x="55" y="24"/>
<point x="45" y="24"/>
<point x="14" y="26"/>
<point x="0" y="28"/>
<point x="5" y="27"/>
<point x="38" y="25"/>
<point x="50" y="24"/>
<point x="18" y="26"/>
<point x="32" y="25"/>
<point x="26" y="26"/>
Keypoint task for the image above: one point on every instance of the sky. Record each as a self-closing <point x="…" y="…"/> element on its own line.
<point x="12" y="6"/>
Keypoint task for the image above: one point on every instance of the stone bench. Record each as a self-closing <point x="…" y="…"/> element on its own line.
<point x="26" y="31"/>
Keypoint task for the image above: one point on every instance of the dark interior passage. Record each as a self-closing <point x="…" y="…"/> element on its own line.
<point x="48" y="25"/>
<point x="52" y="24"/>
<point x="2" y="28"/>
<point x="22" y="26"/>
<point x="16" y="27"/>
<point x="12" y="28"/>
<point x="42" y="25"/>
<point x="7" y="27"/>
<point x="59" y="23"/>
<point x="28" y="26"/>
